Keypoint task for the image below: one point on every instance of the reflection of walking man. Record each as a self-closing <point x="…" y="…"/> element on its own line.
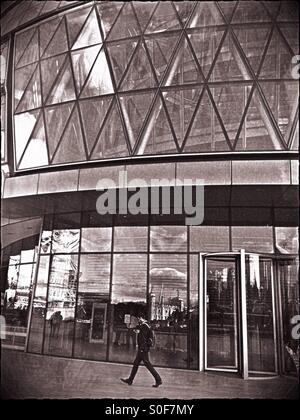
<point x="55" y="322"/>
<point x="144" y="344"/>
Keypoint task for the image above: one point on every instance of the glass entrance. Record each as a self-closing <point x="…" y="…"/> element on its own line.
<point x="221" y="314"/>
<point x="239" y="314"/>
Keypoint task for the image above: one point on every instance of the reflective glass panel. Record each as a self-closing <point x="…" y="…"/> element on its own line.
<point x="163" y="19"/>
<point x="259" y="296"/>
<point x="126" y="24"/>
<point x="61" y="305"/>
<point x="252" y="239"/>
<point x="65" y="240"/>
<point x="287" y="240"/>
<point x="99" y="81"/>
<point x="92" y="303"/>
<point x="96" y="239"/>
<point x="221" y="314"/>
<point x="39" y="307"/>
<point x="289" y="282"/>
<point x="209" y="238"/>
<point x="168" y="238"/>
<point x="168" y="308"/>
<point x="130" y="238"/>
<point x="129" y="289"/>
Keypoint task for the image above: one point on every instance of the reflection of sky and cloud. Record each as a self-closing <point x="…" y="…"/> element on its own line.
<point x="168" y="238"/>
<point x="168" y="281"/>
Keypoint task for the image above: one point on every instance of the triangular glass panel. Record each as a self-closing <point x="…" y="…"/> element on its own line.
<point x="31" y="52"/>
<point x="126" y="24"/>
<point x="22" y="77"/>
<point x="184" y="9"/>
<point x="161" y="48"/>
<point x="272" y="7"/>
<point x="36" y="153"/>
<point x="24" y="124"/>
<point x="64" y="89"/>
<point x="75" y="21"/>
<point x="247" y="11"/>
<point x="227" y="8"/>
<point x="253" y="42"/>
<point x="231" y="101"/>
<point x="205" y="43"/>
<point x="90" y="33"/>
<point x="143" y="11"/>
<point x="82" y="64"/>
<point x="278" y="60"/>
<point x="229" y="64"/>
<point x="47" y="30"/>
<point x="206" y="14"/>
<point x="108" y="12"/>
<point x="163" y="19"/>
<point x="32" y="96"/>
<point x="21" y="44"/>
<point x="93" y="112"/>
<point x="71" y="147"/>
<point x="58" y="43"/>
<point x="49" y="71"/>
<point x="282" y="98"/>
<point x="120" y="55"/>
<point x="181" y="105"/>
<point x="111" y="142"/>
<point x="139" y="74"/>
<point x="183" y="69"/>
<point x="255" y="133"/>
<point x="295" y="141"/>
<point x="135" y="109"/>
<point x="157" y="137"/>
<point x="99" y="81"/>
<point x="289" y="12"/>
<point x="206" y="133"/>
<point x="291" y="34"/>
<point x="56" y="119"/>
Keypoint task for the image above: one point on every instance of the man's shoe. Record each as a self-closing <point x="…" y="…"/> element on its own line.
<point x="157" y="384"/>
<point x="127" y="381"/>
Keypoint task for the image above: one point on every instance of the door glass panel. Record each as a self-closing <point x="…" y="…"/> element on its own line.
<point x="221" y="314"/>
<point x="261" y="346"/>
<point x="289" y="283"/>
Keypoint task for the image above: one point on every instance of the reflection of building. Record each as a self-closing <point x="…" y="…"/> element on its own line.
<point x="162" y="90"/>
<point x="162" y="309"/>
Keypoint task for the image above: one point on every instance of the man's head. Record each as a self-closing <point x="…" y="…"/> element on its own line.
<point x="141" y="318"/>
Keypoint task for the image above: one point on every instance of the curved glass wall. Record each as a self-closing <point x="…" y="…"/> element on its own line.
<point x="109" y="80"/>
<point x="93" y="278"/>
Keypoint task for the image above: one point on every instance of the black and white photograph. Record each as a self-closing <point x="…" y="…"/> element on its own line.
<point x="150" y="203"/>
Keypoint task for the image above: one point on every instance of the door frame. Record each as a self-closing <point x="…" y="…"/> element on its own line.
<point x="242" y="328"/>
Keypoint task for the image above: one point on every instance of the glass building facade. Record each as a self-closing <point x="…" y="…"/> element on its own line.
<point x="159" y="89"/>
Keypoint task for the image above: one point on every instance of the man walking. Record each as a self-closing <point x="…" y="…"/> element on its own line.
<point x="144" y="340"/>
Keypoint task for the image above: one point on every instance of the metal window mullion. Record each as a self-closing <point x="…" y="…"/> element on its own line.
<point x="245" y="361"/>
<point x="77" y="285"/>
<point x="34" y="276"/>
<point x="274" y="318"/>
<point x="110" y="305"/>
<point x="202" y="316"/>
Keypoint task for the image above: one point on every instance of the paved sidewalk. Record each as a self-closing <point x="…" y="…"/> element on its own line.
<point x="33" y="376"/>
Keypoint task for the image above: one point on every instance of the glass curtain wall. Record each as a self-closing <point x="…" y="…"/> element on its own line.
<point x="96" y="275"/>
<point x="157" y="78"/>
<point x="18" y="271"/>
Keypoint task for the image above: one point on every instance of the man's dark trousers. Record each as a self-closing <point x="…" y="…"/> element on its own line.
<point x="143" y="355"/>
